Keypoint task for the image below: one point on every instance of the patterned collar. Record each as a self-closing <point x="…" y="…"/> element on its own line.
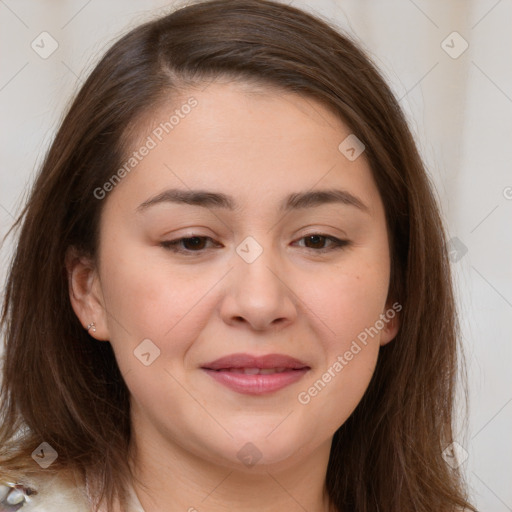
<point x="48" y="494"/>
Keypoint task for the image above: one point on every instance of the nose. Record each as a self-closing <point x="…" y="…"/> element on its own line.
<point x="258" y="294"/>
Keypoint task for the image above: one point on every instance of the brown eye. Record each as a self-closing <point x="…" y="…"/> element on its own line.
<point x="317" y="242"/>
<point x="194" y="243"/>
<point x="187" y="244"/>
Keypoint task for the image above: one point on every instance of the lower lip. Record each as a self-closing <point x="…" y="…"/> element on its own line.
<point x="256" y="384"/>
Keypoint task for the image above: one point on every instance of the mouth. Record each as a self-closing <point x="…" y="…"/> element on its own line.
<point x="256" y="375"/>
<point x="256" y="371"/>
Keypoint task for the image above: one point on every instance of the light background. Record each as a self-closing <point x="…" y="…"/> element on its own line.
<point x="460" y="110"/>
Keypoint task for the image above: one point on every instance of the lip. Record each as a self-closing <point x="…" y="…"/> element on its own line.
<point x="229" y="370"/>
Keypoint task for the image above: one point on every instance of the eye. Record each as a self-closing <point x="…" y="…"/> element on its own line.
<point x="187" y="244"/>
<point x="198" y="244"/>
<point x="316" y="242"/>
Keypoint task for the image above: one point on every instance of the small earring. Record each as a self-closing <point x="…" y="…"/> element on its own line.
<point x="91" y="326"/>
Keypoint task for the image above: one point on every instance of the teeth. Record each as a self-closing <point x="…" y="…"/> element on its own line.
<point x="258" y="371"/>
<point x="268" y="371"/>
<point x="251" y="371"/>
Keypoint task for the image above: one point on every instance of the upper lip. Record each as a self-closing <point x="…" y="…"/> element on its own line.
<point x="249" y="361"/>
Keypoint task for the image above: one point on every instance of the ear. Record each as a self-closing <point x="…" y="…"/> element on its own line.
<point x="85" y="293"/>
<point x="391" y="319"/>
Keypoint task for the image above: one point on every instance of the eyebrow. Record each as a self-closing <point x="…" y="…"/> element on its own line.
<point x="295" y="201"/>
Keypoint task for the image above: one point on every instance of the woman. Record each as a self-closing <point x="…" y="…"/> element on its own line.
<point x="231" y="288"/>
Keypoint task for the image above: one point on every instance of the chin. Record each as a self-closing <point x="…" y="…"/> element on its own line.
<point x="259" y="451"/>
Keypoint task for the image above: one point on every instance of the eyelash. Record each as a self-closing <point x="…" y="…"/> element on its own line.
<point x="174" y="245"/>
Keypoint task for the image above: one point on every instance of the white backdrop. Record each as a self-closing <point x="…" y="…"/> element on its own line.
<point x="458" y="101"/>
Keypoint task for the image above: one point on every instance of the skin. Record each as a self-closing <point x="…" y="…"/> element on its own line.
<point x="257" y="145"/>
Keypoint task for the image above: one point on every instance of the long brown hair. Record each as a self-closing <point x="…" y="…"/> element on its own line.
<point x="63" y="387"/>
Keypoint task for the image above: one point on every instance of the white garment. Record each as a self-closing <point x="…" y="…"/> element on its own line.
<point x="55" y="494"/>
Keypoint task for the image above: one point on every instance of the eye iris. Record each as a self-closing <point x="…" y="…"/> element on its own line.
<point x="316" y="240"/>
<point x="195" y="242"/>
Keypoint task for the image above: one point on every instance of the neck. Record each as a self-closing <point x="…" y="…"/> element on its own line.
<point x="173" y="479"/>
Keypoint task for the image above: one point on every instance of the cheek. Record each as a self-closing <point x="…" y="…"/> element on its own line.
<point x="145" y="295"/>
<point x="349" y="306"/>
<point x="349" y="303"/>
<point x="143" y="301"/>
<point x="349" y="298"/>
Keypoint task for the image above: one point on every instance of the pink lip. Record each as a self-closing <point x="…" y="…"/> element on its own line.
<point x="224" y="370"/>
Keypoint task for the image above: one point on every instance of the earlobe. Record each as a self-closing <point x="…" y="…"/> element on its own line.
<point x="85" y="294"/>
<point x="391" y="318"/>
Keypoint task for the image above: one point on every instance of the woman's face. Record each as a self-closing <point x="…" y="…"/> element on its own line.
<point x="254" y="338"/>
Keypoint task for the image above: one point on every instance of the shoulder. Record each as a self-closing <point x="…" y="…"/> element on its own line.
<point x="44" y="493"/>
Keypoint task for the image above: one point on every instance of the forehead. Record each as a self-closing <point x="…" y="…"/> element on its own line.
<point x="250" y="142"/>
